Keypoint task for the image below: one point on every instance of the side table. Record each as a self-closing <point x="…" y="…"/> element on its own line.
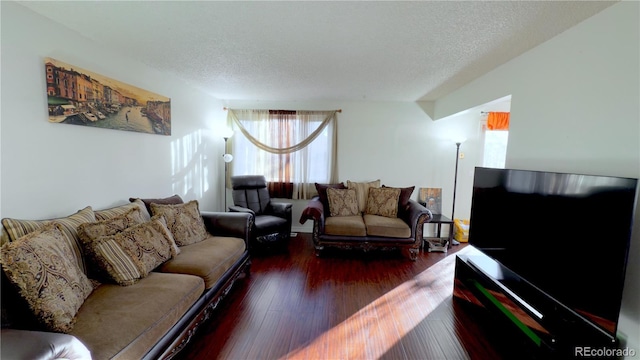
<point x="438" y="220"/>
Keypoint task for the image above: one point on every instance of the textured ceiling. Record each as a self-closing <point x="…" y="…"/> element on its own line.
<point x="304" y="50"/>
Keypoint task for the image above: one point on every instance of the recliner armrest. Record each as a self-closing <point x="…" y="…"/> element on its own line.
<point x="236" y="224"/>
<point x="235" y="208"/>
<point x="25" y="344"/>
<point x="281" y="209"/>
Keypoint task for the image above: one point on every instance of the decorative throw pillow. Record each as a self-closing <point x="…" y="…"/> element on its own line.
<point x="342" y="202"/>
<point x="131" y="254"/>
<point x="114" y="262"/>
<point x="405" y="195"/>
<point x="322" y="194"/>
<point x="89" y="232"/>
<point x="106" y="214"/>
<point x="14" y="229"/>
<point x="149" y="244"/>
<point x="171" y="200"/>
<point x="362" y="191"/>
<point x="383" y="202"/>
<point x="101" y="254"/>
<point x="183" y="220"/>
<point x="41" y="265"/>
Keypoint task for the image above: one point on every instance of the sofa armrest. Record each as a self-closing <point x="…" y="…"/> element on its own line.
<point x="416" y="216"/>
<point x="313" y="211"/>
<point x="236" y="224"/>
<point x="24" y="344"/>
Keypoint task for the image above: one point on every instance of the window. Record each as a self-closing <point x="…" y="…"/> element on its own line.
<point x="495" y="148"/>
<point x="287" y="147"/>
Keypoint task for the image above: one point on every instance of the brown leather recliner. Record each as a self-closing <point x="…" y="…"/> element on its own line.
<point x="272" y="225"/>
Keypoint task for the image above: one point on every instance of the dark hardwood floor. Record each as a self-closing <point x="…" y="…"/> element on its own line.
<point x="347" y="305"/>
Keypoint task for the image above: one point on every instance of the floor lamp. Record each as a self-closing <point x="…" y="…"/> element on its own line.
<point x="227" y="159"/>
<point x="455" y="184"/>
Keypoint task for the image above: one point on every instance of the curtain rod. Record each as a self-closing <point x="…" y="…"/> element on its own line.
<point x="226" y="108"/>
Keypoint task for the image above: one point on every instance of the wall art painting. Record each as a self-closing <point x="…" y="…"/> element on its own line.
<point x="81" y="97"/>
<point x="431" y="198"/>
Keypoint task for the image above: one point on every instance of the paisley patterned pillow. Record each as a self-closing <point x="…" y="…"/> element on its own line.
<point x="42" y="266"/>
<point x="183" y="220"/>
<point x="383" y="202"/>
<point x="149" y="244"/>
<point x="103" y="253"/>
<point x="342" y="202"/>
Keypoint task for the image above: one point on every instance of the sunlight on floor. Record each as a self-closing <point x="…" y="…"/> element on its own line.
<point x="376" y="328"/>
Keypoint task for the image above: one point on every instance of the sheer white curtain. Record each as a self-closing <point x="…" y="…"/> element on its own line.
<point x="287" y="147"/>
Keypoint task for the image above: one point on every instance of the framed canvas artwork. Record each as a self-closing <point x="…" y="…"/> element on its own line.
<point x="431" y="198"/>
<point x="81" y="97"/>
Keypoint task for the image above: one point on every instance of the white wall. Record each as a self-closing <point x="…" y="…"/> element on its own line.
<point x="576" y="108"/>
<point x="55" y="169"/>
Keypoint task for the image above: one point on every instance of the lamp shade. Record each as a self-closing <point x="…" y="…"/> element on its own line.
<point x="227" y="133"/>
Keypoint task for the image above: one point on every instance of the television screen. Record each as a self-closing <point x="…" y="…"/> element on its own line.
<point x="567" y="234"/>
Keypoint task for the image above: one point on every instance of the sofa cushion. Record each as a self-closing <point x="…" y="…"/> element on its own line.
<point x="345" y="226"/>
<point x="322" y="194"/>
<point x="208" y="259"/>
<point x="171" y="200"/>
<point x="109" y="213"/>
<point x="125" y="322"/>
<point x="42" y="266"/>
<point x="362" y="191"/>
<point x="383" y="202"/>
<point x="386" y="226"/>
<point x="342" y="202"/>
<point x="14" y="229"/>
<point x="183" y="220"/>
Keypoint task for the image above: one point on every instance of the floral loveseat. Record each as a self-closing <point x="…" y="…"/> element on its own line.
<point x="158" y="267"/>
<point x="364" y="215"/>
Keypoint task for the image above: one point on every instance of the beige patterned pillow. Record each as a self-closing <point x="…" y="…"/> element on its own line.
<point x="15" y="229"/>
<point x="383" y="202"/>
<point x="90" y="233"/>
<point x="183" y="220"/>
<point x="149" y="244"/>
<point x="106" y="214"/>
<point x="342" y="202"/>
<point x="41" y="265"/>
<point x="362" y="191"/>
<point x="131" y="254"/>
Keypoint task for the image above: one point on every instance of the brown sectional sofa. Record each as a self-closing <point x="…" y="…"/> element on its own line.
<point x="153" y="318"/>
<point x="368" y="224"/>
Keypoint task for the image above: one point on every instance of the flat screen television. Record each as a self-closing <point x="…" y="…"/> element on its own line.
<point x="566" y="234"/>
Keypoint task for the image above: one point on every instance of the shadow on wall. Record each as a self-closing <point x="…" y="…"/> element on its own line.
<point x="190" y="168"/>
